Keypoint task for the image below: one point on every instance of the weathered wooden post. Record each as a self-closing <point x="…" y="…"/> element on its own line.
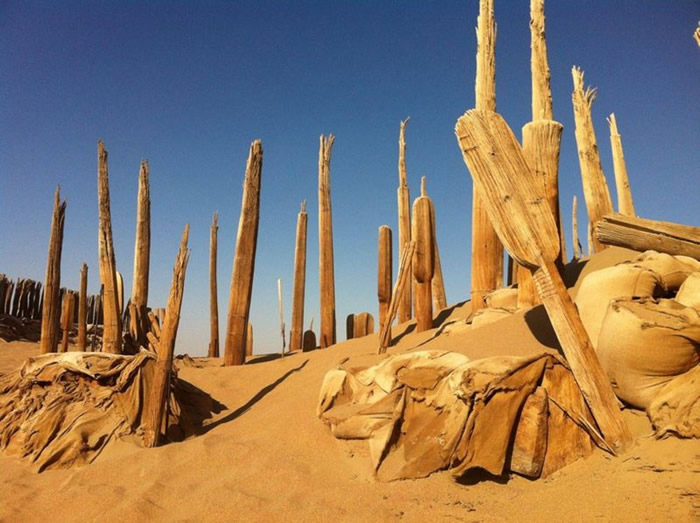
<point x="402" y="282"/>
<point x="244" y="260"/>
<point x="423" y="260"/>
<point x="325" y="238"/>
<point x="384" y="274"/>
<point x="574" y="230"/>
<point x="213" y="290"/>
<point x="142" y="256"/>
<point x="297" y="331"/>
<point x="625" y="204"/>
<point x="249" y="340"/>
<point x="67" y="319"/>
<point x="82" y="309"/>
<point x="487" y="251"/>
<point x="404" y="203"/>
<point x="50" y="314"/>
<point x="282" y="326"/>
<point x="166" y="346"/>
<point x="112" y="326"/>
<point x="438" y="284"/>
<point x="595" y="188"/>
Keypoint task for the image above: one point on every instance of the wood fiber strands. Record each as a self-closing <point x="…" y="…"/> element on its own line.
<point x="595" y="188"/>
<point x="423" y="260"/>
<point x="51" y="309"/>
<point x="213" y="291"/>
<point x="403" y="196"/>
<point x="82" y="309"/>
<point x="625" y="205"/>
<point x="402" y="282"/>
<point x="438" y="283"/>
<point x="67" y="319"/>
<point x="325" y="239"/>
<point x="142" y="252"/>
<point x="297" y="331"/>
<point x="244" y="260"/>
<point x="384" y="273"/>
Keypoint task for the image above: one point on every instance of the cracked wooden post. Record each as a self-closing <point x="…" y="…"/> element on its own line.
<point x="297" y="331"/>
<point x="384" y="273"/>
<point x="67" y="319"/>
<point x="244" y="260"/>
<point x="625" y="205"/>
<point x="112" y="327"/>
<point x="325" y="239"/>
<point x="82" y="309"/>
<point x="574" y="230"/>
<point x="423" y="260"/>
<point x="404" y="203"/>
<point x="487" y="251"/>
<point x="51" y="308"/>
<point x="142" y="255"/>
<point x="595" y="188"/>
<point x="213" y="290"/>
<point x="438" y="283"/>
<point x="160" y="385"/>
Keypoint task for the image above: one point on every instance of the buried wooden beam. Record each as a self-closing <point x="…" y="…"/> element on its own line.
<point x="402" y="282"/>
<point x="82" y="309"/>
<point x="424" y="259"/>
<point x="244" y="260"/>
<point x="403" y="197"/>
<point x="50" y="314"/>
<point x="213" y="351"/>
<point x="384" y="273"/>
<point x="142" y="255"/>
<point x="325" y="239"/>
<point x="297" y="331"/>
<point x="625" y="204"/>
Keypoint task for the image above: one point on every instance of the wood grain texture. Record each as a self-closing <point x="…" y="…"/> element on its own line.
<point x="51" y="307"/>
<point x="384" y="273"/>
<point x="625" y="204"/>
<point x="402" y="281"/>
<point x="325" y="237"/>
<point x="403" y="197"/>
<point x="297" y="331"/>
<point x="82" y="309"/>
<point x="213" y="351"/>
<point x="423" y="260"/>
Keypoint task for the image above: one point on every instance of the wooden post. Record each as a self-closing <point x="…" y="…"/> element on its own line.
<point x="399" y="288"/>
<point x="404" y="202"/>
<point x="487" y="251"/>
<point x="244" y="259"/>
<point x="282" y="326"/>
<point x="50" y="314"/>
<point x="297" y="331"/>
<point x="142" y="255"/>
<point x="438" y="283"/>
<point x="625" y="205"/>
<point x="166" y="346"/>
<point x="325" y="238"/>
<point x="595" y="188"/>
<point x="67" y="318"/>
<point x="82" y="309"/>
<point x="574" y="230"/>
<point x="423" y="260"/>
<point x="249" y="340"/>
<point x="384" y="273"/>
<point x="112" y="328"/>
<point x="213" y="290"/>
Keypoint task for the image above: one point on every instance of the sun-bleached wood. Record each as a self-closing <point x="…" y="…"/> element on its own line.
<point x="67" y="319"/>
<point x="325" y="239"/>
<point x="244" y="259"/>
<point x="384" y="273"/>
<point x="625" y="204"/>
<point x="539" y="65"/>
<point x="249" y="340"/>
<point x="402" y="280"/>
<point x="297" y="331"/>
<point x="642" y="234"/>
<point x="595" y="187"/>
<point x="142" y="254"/>
<point x="438" y="283"/>
<point x="487" y="250"/>
<point x="403" y="197"/>
<point x="423" y="259"/>
<point x="82" y="309"/>
<point x="213" y="351"/>
<point x="526" y="227"/>
<point x="166" y="346"/>
<point x="574" y="229"/>
<point x="51" y="307"/>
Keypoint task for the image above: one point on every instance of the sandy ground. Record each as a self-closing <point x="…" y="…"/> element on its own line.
<point x="268" y="458"/>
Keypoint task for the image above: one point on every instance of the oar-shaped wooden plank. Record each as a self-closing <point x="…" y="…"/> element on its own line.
<point x="526" y="227"/>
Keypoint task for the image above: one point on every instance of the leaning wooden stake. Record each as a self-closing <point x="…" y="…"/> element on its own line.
<point x="112" y="327"/>
<point x="213" y="291"/>
<point x="281" y="309"/>
<point x="325" y="239"/>
<point x="423" y="260"/>
<point x="404" y="202"/>
<point x="297" y="332"/>
<point x="625" y="205"/>
<point x="595" y="188"/>
<point x="487" y="250"/>
<point x="529" y="232"/>
<point x="384" y="273"/>
<point x="402" y="282"/>
<point x="142" y="255"/>
<point x="244" y="260"/>
<point x="574" y="230"/>
<point x="51" y="309"/>
<point x="82" y="309"/>
<point x="166" y="346"/>
<point x="438" y="283"/>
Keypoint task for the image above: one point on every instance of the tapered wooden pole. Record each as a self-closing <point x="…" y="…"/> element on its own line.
<point x="142" y="254"/>
<point x="112" y="331"/>
<point x="438" y="283"/>
<point x="487" y="250"/>
<point x="595" y="188"/>
<point x="68" y="309"/>
<point x="249" y="340"/>
<point x="213" y="290"/>
<point x="325" y="238"/>
<point x="166" y="346"/>
<point x="423" y="260"/>
<point x="281" y="309"/>
<point x="384" y="273"/>
<point x="404" y="203"/>
<point x="82" y="309"/>
<point x="50" y="314"/>
<point x="402" y="282"/>
<point x="625" y="205"/>
<point x="574" y="229"/>
<point x="297" y="332"/>
<point x="244" y="260"/>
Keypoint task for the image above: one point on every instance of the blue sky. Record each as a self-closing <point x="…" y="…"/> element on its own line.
<point x="189" y="85"/>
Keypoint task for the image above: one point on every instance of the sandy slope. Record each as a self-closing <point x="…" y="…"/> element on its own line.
<point x="267" y="457"/>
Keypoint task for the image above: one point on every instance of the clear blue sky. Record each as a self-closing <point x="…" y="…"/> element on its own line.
<point x="188" y="85"/>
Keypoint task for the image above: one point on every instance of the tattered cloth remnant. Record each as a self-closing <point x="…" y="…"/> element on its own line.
<point x="433" y="410"/>
<point x="62" y="410"/>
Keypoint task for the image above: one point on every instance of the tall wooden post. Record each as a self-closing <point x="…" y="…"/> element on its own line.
<point x="282" y="325"/>
<point x="142" y="254"/>
<point x="67" y="319"/>
<point x="574" y="229"/>
<point x="404" y="202"/>
<point x="595" y="188"/>
<point x="51" y="308"/>
<point x="82" y="310"/>
<point x="112" y="327"/>
<point x="384" y="274"/>
<point x="325" y="238"/>
<point x="424" y="259"/>
<point x="213" y="291"/>
<point x="249" y="340"/>
<point x="297" y="331"/>
<point x="438" y="283"/>
<point x="625" y="205"/>
<point x="487" y="250"/>
<point x="244" y="260"/>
